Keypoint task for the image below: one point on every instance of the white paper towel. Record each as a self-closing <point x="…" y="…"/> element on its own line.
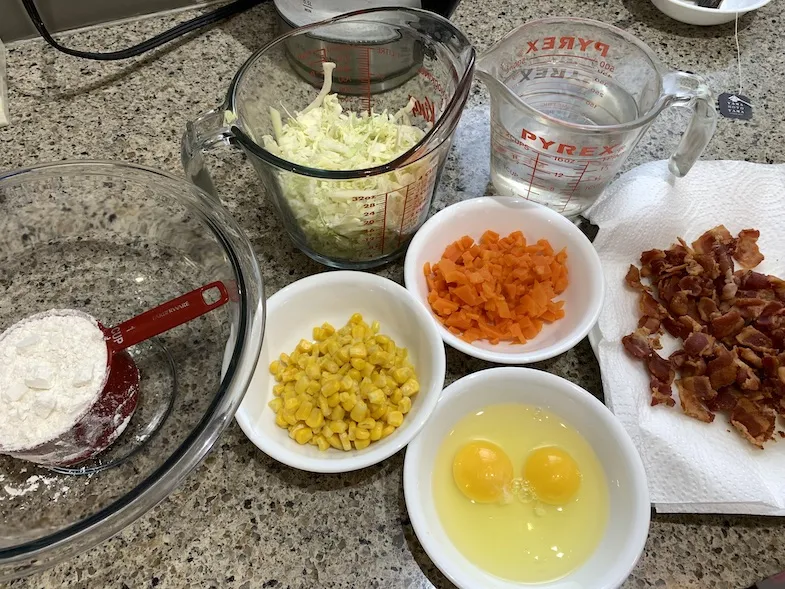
<point x="693" y="467"/>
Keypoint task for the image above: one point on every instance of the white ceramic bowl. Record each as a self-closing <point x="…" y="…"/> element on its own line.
<point x="293" y="312"/>
<point x="505" y="214"/>
<point x="630" y="510"/>
<point x="692" y="14"/>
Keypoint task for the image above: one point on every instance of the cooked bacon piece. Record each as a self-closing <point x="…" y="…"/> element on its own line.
<point x="647" y="258"/>
<point x="751" y="280"/>
<point x="648" y="305"/>
<point x="633" y="278"/>
<point x="678" y="358"/>
<point x="693" y="391"/>
<point x="676" y="328"/>
<point x="724" y="260"/>
<point x="693" y="367"/>
<point x="749" y="356"/>
<point x="649" y="324"/>
<point x="771" y="317"/>
<point x="691" y="285"/>
<point x="637" y="344"/>
<point x="726" y="325"/>
<point x="667" y="287"/>
<point x="725" y="400"/>
<point x="771" y="365"/>
<point x="705" y="243"/>
<point x="710" y="267"/>
<point x="755" y="422"/>
<point x="778" y="286"/>
<point x="749" y="309"/>
<point x="750" y="337"/>
<point x="745" y="375"/>
<point x="707" y="309"/>
<point x="699" y="344"/>
<point x="722" y="369"/>
<point x="679" y="304"/>
<point x="661" y="392"/>
<point x="660" y="367"/>
<point x="747" y="253"/>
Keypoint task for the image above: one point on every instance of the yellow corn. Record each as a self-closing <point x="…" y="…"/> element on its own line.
<point x="303" y="436"/>
<point x="345" y="389"/>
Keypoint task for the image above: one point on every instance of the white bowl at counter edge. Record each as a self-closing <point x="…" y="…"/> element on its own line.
<point x="333" y="296"/>
<point x="504" y="214"/>
<point x="692" y="14"/>
<point x="629" y="504"/>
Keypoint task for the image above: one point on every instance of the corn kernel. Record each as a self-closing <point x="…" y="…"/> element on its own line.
<point x="289" y="417"/>
<point x="343" y="354"/>
<point x="322" y="442"/>
<point x="324" y="406"/>
<point x="358" y="364"/>
<point x="331" y="387"/>
<point x="315" y="419"/>
<point x="338" y="427"/>
<point x="280" y="421"/>
<point x="387" y="430"/>
<point x="375" y="327"/>
<point x="379" y="412"/>
<point x="367" y="370"/>
<point x="356" y="318"/>
<point x="396" y="396"/>
<point x="358" y="332"/>
<point x="304" y="346"/>
<point x="410" y="387"/>
<point x="401" y="375"/>
<point x="278" y="390"/>
<point x="362" y="434"/>
<point x="345" y="442"/>
<point x="275" y="367"/>
<point x="333" y="400"/>
<point x="359" y="412"/>
<point x="405" y="405"/>
<point x="304" y="411"/>
<point x="284" y="359"/>
<point x="354" y="374"/>
<point x="394" y="418"/>
<point x="346" y="382"/>
<point x="338" y="412"/>
<point x="376" y="432"/>
<point x="358" y="351"/>
<point x="377" y="397"/>
<point x="312" y="370"/>
<point x="303" y="436"/>
<point x="382" y="340"/>
<point x="335" y="442"/>
<point x="276" y="404"/>
<point x="352" y="431"/>
<point x="331" y="366"/>
<point x="294" y="429"/>
<point x="318" y="334"/>
<point x="367" y="423"/>
<point x="327" y="431"/>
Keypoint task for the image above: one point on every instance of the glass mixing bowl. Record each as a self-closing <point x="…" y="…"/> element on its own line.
<point x="385" y="59"/>
<point x="113" y="240"/>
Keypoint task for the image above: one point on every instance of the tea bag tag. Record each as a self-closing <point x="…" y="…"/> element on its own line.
<point x="735" y="106"/>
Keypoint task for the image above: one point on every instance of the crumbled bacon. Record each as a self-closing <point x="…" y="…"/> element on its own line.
<point x="731" y="323"/>
<point x="747" y="253"/>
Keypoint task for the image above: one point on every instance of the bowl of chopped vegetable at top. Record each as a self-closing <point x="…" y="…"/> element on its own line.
<point x="506" y="280"/>
<point x="350" y="165"/>
<point x="350" y="370"/>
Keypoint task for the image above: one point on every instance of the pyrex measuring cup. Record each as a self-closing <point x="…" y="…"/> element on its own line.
<point x="570" y="98"/>
<point x="355" y="218"/>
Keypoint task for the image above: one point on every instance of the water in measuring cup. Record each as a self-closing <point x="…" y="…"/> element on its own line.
<point x="558" y="176"/>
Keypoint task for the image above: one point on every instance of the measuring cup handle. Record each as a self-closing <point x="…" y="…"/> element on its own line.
<point x="204" y="133"/>
<point x="166" y="316"/>
<point x="691" y="91"/>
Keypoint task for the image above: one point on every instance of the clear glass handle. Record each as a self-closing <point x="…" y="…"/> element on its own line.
<point x="691" y="91"/>
<point x="206" y="132"/>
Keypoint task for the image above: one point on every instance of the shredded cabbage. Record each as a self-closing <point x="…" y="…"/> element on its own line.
<point x="354" y="219"/>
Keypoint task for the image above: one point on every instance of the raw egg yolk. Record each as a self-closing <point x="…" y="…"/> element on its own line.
<point x="552" y="475"/>
<point x="483" y="472"/>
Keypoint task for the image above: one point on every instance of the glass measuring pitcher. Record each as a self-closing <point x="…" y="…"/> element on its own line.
<point x="570" y="98"/>
<point x="414" y="65"/>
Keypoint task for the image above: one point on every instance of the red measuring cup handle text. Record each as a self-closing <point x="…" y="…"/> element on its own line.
<point x="166" y="316"/>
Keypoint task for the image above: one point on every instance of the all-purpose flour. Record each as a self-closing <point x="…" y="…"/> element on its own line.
<point x="52" y="369"/>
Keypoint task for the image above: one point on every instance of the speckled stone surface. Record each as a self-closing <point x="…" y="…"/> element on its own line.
<point x="243" y="521"/>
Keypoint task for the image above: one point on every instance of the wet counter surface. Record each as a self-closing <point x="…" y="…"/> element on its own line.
<point x="244" y="521"/>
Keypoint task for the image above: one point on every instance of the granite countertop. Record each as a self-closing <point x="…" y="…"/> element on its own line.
<point x="244" y="521"/>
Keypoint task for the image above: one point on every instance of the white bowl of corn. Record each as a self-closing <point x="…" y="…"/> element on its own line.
<point x="350" y="370"/>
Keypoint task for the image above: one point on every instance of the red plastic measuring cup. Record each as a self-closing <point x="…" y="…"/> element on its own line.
<point x="115" y="405"/>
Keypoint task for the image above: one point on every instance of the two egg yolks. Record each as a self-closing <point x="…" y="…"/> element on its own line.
<point x="484" y="473"/>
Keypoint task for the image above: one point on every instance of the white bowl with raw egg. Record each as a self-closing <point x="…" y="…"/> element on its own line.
<point x="521" y="476"/>
<point x="581" y="299"/>
<point x="295" y="313"/>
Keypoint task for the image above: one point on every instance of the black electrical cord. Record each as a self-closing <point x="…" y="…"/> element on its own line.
<point x="183" y="28"/>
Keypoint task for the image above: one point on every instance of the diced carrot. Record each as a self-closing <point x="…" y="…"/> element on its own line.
<point x="497" y="289"/>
